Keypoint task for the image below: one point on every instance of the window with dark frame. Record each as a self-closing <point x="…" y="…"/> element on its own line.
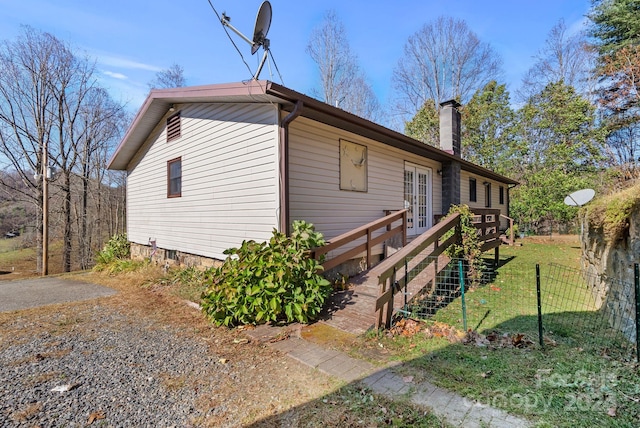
<point x="174" y="178"/>
<point x="173" y="127"/>
<point x="472" y="190"/>
<point x="487" y="194"/>
<point x="501" y="195"/>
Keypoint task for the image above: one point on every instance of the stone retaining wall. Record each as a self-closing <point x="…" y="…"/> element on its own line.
<point x="170" y="258"/>
<point x="612" y="263"/>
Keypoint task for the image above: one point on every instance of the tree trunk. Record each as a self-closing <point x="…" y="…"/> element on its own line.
<point x="66" y="212"/>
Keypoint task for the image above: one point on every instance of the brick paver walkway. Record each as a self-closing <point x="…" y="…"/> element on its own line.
<point x="455" y="409"/>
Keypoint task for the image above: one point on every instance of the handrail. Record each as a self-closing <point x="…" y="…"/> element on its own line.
<point x="487" y="224"/>
<point x="385" y="271"/>
<point x="368" y="231"/>
<point x="511" y="234"/>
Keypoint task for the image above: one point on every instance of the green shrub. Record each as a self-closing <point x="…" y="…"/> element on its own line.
<point x="121" y="266"/>
<point x="117" y="248"/>
<point x="263" y="282"/>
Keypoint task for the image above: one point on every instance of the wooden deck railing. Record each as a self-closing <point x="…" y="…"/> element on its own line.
<point x="487" y="221"/>
<point x="511" y="239"/>
<point x="386" y="270"/>
<point x="368" y="231"/>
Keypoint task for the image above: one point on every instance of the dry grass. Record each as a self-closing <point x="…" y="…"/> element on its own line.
<point x="611" y="213"/>
<point x="17" y="262"/>
<point x="42" y="378"/>
<point x="260" y="387"/>
<point x="259" y="382"/>
<point x="26" y="413"/>
<point x="171" y="382"/>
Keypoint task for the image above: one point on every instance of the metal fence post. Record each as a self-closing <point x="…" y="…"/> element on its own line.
<point x="539" y="306"/>
<point x="406" y="286"/>
<point x="636" y="278"/>
<point x="464" y="304"/>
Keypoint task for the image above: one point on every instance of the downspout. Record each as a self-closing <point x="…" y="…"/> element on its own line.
<point x="284" y="165"/>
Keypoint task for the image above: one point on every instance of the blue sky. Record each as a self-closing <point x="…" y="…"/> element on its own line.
<point x="132" y="40"/>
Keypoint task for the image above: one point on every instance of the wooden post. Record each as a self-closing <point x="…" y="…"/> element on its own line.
<point x="404" y="228"/>
<point x="368" y="248"/>
<point x="45" y="209"/>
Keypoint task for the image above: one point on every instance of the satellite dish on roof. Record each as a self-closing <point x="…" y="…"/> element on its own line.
<point x="260" y="30"/>
<point x="579" y="197"/>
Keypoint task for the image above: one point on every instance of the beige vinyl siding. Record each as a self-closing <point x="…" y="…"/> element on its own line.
<point x="481" y="192"/>
<point x="229" y="180"/>
<point x="315" y="194"/>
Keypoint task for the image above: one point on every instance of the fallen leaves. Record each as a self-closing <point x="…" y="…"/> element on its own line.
<point x="95" y="416"/>
<point x="406" y="327"/>
<point x="442" y="330"/>
<point x="497" y="340"/>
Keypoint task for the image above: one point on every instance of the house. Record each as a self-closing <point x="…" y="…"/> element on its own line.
<point x="210" y="166"/>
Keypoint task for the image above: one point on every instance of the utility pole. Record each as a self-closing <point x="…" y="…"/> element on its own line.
<point x="45" y="208"/>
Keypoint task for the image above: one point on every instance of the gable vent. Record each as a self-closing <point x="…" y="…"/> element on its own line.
<point x="173" y="127"/>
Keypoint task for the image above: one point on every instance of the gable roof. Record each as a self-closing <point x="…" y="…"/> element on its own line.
<point x="159" y="101"/>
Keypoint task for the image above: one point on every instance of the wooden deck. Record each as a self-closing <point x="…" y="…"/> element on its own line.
<point x="366" y="303"/>
<point x="353" y="310"/>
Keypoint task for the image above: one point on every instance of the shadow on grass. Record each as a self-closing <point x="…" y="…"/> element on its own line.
<point x="571" y="382"/>
<point x="583" y="376"/>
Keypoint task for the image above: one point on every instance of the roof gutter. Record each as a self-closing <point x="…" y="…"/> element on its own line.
<point x="284" y="165"/>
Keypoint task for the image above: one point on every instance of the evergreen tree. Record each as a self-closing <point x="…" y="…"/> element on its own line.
<point x="425" y="125"/>
<point x="560" y="152"/>
<point x="488" y="136"/>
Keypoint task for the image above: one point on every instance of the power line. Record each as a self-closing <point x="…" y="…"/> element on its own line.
<point x="229" y="36"/>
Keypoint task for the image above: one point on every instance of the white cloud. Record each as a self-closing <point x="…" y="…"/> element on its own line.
<point x="115" y="75"/>
<point x="115" y="61"/>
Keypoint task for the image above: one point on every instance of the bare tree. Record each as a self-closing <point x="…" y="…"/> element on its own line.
<point x="29" y="72"/>
<point x="172" y="77"/>
<point x="443" y="60"/>
<point x="46" y="95"/>
<point x="564" y="57"/>
<point x="100" y="124"/>
<point x="342" y="82"/>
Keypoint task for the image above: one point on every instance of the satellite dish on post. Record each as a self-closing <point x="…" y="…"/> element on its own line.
<point x="579" y="197"/>
<point x="260" y="30"/>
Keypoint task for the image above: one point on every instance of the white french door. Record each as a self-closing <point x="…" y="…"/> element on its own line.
<point x="417" y="199"/>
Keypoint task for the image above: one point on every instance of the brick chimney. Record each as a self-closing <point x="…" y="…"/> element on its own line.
<point x="450" y="143"/>
<point x="450" y="127"/>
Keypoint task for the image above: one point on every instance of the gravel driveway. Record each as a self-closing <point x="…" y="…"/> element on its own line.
<point x="136" y="360"/>
<point x="31" y="293"/>
<point x="129" y="372"/>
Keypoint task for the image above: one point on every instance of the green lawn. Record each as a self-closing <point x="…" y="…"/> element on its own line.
<point x="572" y="381"/>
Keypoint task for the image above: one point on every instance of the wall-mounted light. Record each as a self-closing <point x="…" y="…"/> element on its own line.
<point x="172" y="108"/>
<point x="439" y="172"/>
